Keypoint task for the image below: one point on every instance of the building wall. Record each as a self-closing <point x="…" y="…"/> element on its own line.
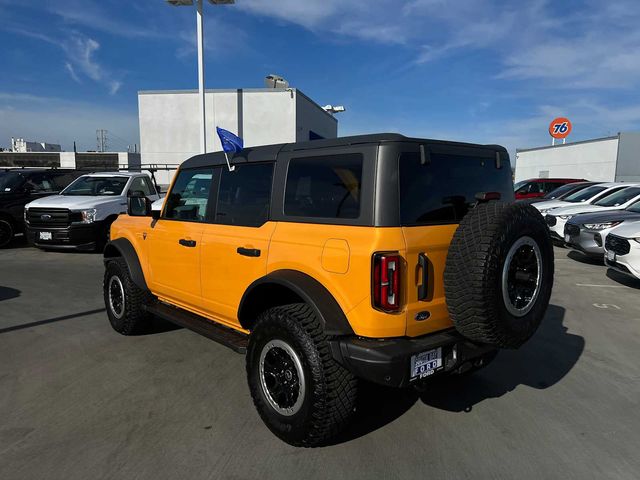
<point x="592" y="160"/>
<point x="310" y="117"/>
<point x="170" y="121"/>
<point x="628" y="168"/>
<point x="29" y="159"/>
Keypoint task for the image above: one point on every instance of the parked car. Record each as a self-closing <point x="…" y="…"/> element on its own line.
<point x="585" y="232"/>
<point x="562" y="192"/>
<point x="21" y="186"/>
<point x="376" y="257"/>
<point x="587" y="195"/>
<point x="538" y="187"/>
<point x="80" y="217"/>
<point x="622" y="249"/>
<point x="619" y="200"/>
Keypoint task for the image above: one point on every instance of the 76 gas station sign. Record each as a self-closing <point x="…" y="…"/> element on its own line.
<point x="560" y="127"/>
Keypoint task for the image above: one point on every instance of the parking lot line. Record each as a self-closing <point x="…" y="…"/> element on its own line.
<point x="602" y="286"/>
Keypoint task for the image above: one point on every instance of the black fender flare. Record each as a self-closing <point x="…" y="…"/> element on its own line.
<point x="303" y="287"/>
<point x="121" y="247"/>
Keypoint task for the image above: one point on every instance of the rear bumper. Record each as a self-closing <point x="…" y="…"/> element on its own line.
<point x="388" y="361"/>
<point x="73" y="237"/>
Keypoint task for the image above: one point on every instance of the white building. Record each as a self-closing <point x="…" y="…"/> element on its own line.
<point x="20" y="145"/>
<point x="605" y="159"/>
<point x="170" y="120"/>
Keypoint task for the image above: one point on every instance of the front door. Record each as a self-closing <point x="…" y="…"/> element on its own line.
<point x="235" y="245"/>
<point x="175" y="239"/>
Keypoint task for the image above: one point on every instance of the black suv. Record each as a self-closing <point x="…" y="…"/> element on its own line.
<point x="21" y="186"/>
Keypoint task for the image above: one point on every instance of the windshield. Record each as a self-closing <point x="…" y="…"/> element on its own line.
<point x="618" y="198"/>
<point x="584" y="195"/>
<point x="563" y="190"/>
<point x="10" y="181"/>
<point x="635" y="207"/>
<point x="96" y="186"/>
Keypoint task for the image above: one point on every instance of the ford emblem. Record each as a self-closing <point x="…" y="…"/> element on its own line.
<point x="422" y="316"/>
<point x="45" y="217"/>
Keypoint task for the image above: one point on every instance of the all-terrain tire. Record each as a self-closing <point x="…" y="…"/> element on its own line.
<point x="130" y="318"/>
<point x="6" y="232"/>
<point x="329" y="389"/>
<point x="479" y="304"/>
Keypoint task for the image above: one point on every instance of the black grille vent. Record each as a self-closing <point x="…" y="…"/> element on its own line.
<point x="617" y="244"/>
<point x="571" y="229"/>
<point x="49" y="217"/>
<point x="551" y="220"/>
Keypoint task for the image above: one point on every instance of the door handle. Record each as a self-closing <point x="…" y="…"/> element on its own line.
<point x="248" y="252"/>
<point x="423" y="263"/>
<point x="187" y="243"/>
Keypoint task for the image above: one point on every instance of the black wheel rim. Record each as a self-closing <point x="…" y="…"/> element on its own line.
<point x="116" y="297"/>
<point x="282" y="377"/>
<point x="6" y="233"/>
<point x="521" y="276"/>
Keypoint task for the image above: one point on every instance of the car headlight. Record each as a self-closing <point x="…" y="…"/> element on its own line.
<point x="26" y="214"/>
<point x="600" y="226"/>
<point x="87" y="216"/>
<point x="565" y="217"/>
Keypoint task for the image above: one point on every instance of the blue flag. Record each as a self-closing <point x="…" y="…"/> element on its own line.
<point x="230" y="142"/>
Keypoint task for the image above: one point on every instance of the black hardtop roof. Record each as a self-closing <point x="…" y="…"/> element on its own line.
<point x="270" y="152"/>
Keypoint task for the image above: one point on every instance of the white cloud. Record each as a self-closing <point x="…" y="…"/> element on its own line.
<point x="72" y="72"/>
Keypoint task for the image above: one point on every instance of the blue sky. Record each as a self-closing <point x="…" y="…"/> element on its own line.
<point x="472" y="70"/>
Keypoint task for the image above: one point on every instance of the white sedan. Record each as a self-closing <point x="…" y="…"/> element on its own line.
<point x="622" y="249"/>
<point x="621" y="199"/>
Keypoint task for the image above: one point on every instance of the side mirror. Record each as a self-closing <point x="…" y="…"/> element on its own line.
<point x="138" y="206"/>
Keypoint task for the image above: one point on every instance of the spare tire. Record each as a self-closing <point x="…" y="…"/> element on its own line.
<point x="499" y="274"/>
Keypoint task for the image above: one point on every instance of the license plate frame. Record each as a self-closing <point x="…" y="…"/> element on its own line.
<point x="425" y="364"/>
<point x="46" y="236"/>
<point x="611" y="255"/>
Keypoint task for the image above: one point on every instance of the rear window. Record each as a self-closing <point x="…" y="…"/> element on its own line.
<point x="619" y="198"/>
<point x="324" y="187"/>
<point x="444" y="190"/>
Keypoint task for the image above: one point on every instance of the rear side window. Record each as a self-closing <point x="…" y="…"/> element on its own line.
<point x="444" y="190"/>
<point x="584" y="195"/>
<point x="244" y="195"/>
<point x="61" y="180"/>
<point x="618" y="198"/>
<point x="189" y="196"/>
<point x="324" y="187"/>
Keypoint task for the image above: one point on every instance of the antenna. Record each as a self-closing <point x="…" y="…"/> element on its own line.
<point x="101" y="140"/>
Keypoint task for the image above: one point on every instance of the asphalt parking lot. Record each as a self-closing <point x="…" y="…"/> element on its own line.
<point x="78" y="401"/>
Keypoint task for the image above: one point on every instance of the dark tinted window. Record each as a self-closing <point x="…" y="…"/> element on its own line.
<point x="41" y="182"/>
<point x="443" y="191"/>
<point x="189" y="196"/>
<point x="550" y="186"/>
<point x="566" y="189"/>
<point x="584" y="195"/>
<point x="618" y="198"/>
<point x="61" y="180"/>
<point x="324" y="187"/>
<point x="244" y="195"/>
<point x="142" y="184"/>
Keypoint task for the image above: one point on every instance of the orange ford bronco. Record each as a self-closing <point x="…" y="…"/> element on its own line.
<point x="376" y="257"/>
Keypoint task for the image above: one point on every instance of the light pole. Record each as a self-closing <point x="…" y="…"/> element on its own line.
<point x="200" y="39"/>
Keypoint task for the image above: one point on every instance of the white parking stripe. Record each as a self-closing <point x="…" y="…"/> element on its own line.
<point x="602" y="286"/>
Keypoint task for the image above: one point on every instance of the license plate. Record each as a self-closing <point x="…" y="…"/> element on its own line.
<point x="426" y="363"/>
<point x="611" y="256"/>
<point x="567" y="238"/>
<point x="45" y="235"/>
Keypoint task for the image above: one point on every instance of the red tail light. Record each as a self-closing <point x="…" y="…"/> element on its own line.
<point x="386" y="282"/>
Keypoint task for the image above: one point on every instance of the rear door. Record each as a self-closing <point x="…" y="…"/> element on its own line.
<point x="434" y="196"/>
<point x="235" y="243"/>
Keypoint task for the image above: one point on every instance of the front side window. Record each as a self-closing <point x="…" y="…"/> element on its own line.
<point x="619" y="198"/>
<point x="244" y="195"/>
<point x="141" y="184"/>
<point x="10" y="182"/>
<point x="324" y="187"/>
<point x="97" y="186"/>
<point x="40" y="183"/>
<point x="189" y="196"/>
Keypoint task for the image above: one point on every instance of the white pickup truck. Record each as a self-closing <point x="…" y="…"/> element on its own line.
<point x="80" y="216"/>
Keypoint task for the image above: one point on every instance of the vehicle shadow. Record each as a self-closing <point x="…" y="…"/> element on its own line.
<point x="542" y="362"/>
<point x="623" y="279"/>
<point x="586" y="259"/>
<point x="7" y="293"/>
